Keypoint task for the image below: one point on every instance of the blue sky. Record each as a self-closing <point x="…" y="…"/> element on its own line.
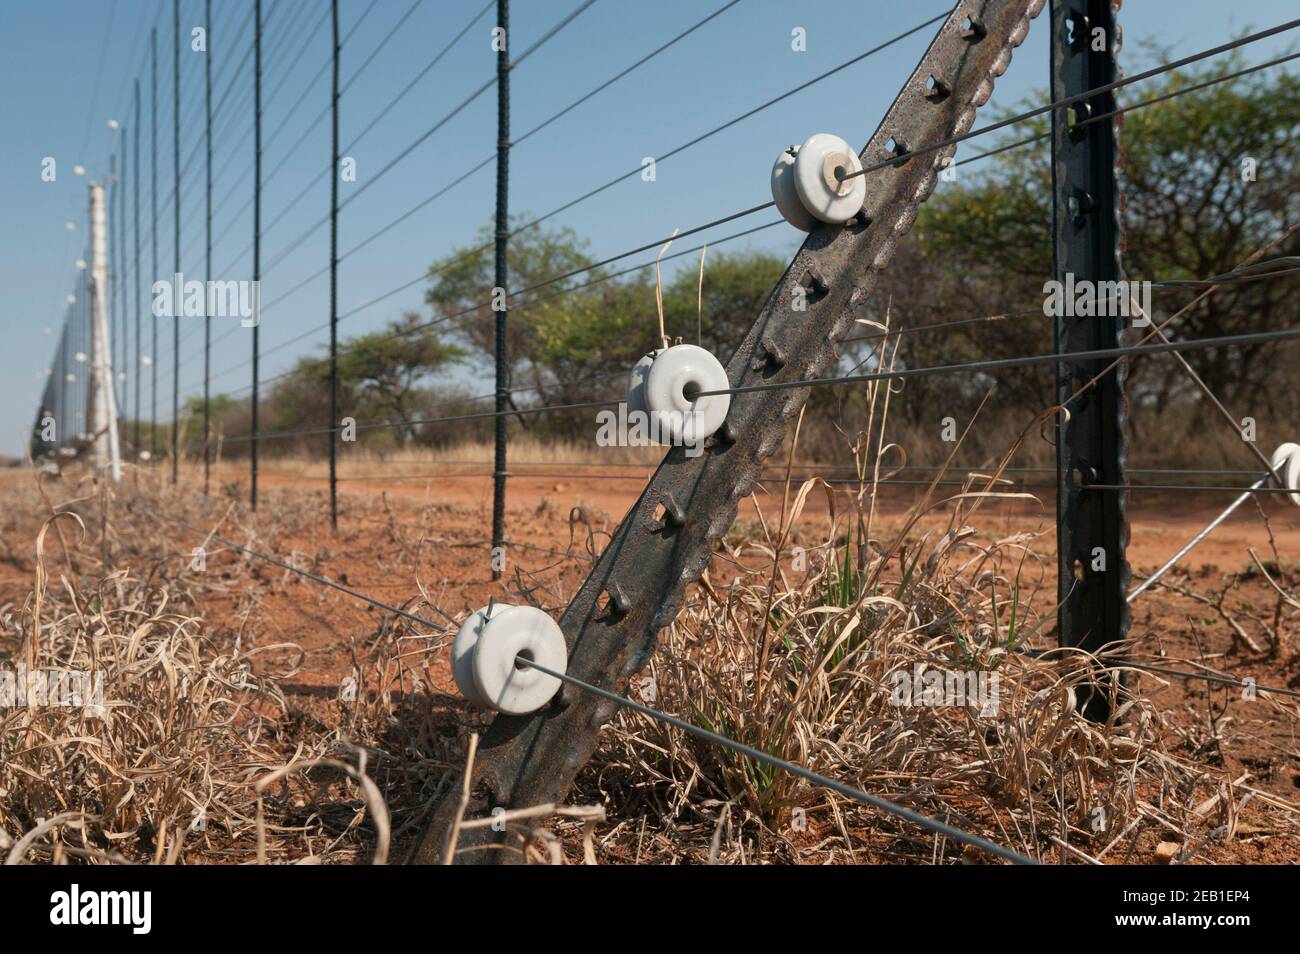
<point x="68" y="68"/>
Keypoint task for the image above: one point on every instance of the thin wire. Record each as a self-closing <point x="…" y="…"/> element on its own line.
<point x="618" y="76"/>
<point x="1077" y="97"/>
<point x="546" y="37"/>
<point x="555" y="116"/>
<point x="900" y="373"/>
<point x="1020" y="362"/>
<point x="311" y="126"/>
<point x="998" y="364"/>
<point x="443" y="319"/>
<point x="446" y="49"/>
<point x="982" y="130"/>
<point x="848" y="791"/>
<point x="568" y="205"/>
<point x="731" y="122"/>
<point x="1190" y="487"/>
<point x="984" y="155"/>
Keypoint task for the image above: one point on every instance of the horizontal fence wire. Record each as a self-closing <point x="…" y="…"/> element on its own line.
<point x="424" y="276"/>
<point x="996" y="364"/>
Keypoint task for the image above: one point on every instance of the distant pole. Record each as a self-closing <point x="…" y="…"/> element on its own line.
<point x="207" y="243"/>
<point x="102" y="401"/>
<point x="334" y="273"/>
<point x="135" y="198"/>
<point x="83" y="314"/>
<point x="153" y="214"/>
<point x="176" y="231"/>
<point x="111" y="217"/>
<point x="501" y="276"/>
<point x="61" y="420"/>
<point x="257" y="232"/>
<point x="121" y="337"/>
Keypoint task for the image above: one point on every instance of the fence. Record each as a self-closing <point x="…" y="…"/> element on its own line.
<point x="637" y="584"/>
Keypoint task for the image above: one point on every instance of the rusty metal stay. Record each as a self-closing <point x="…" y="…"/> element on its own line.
<point x="665" y="541"/>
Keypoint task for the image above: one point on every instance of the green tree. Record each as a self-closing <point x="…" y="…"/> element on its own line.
<point x="982" y="245"/>
<point x="461" y="290"/>
<point x="380" y="373"/>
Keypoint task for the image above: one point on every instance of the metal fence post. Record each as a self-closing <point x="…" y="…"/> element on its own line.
<point x="334" y="270"/>
<point x="121" y="335"/>
<point x="135" y="211"/>
<point x="207" y="247"/>
<point x="257" y="238"/>
<point x="153" y="236"/>
<point x="176" y="233"/>
<point x="501" y="276"/>
<point x="1092" y="527"/>
<point x="99" y="387"/>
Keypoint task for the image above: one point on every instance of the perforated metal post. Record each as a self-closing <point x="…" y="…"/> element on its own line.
<point x="1092" y="526"/>
<point x="665" y="541"/>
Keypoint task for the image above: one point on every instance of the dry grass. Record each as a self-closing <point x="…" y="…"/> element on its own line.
<point x="196" y="754"/>
<point x="796" y="659"/>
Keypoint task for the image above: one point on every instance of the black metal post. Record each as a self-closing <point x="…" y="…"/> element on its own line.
<point x="153" y="229"/>
<point x="257" y="236"/>
<point x="501" y="276"/>
<point x="1092" y="526"/>
<point x="334" y="272"/>
<point x="207" y="244"/>
<point x="176" y="232"/>
<point x="135" y="200"/>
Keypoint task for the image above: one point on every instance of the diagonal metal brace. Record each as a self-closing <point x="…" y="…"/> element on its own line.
<point x="637" y="586"/>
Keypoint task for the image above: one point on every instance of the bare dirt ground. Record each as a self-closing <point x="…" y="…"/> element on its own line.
<point x="424" y="541"/>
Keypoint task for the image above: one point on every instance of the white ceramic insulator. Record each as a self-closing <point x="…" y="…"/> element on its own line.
<point x="676" y="375"/>
<point x="818" y="167"/>
<point x="484" y="658"/>
<point x="786" y="196"/>
<point x="1286" y="462"/>
<point x="636" y="383"/>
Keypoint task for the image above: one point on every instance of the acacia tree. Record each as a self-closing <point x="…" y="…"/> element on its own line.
<point x="461" y="290"/>
<point x="385" y="368"/>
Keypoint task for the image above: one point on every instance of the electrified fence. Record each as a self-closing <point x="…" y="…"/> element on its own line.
<point x="855" y="204"/>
